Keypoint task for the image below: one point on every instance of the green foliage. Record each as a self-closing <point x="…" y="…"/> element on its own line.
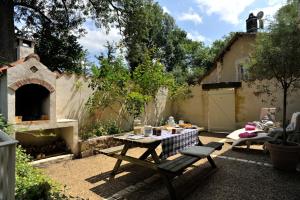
<point x="60" y="50"/>
<point x="55" y="27"/>
<point x="31" y="183"/>
<point x="4" y="126"/>
<point x="111" y="83"/>
<point x="97" y="129"/>
<point x="151" y="32"/>
<point x="277" y="51"/>
<point x="149" y="76"/>
<point x="112" y="127"/>
<point x="135" y="103"/>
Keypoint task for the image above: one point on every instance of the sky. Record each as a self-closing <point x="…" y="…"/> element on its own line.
<point x="203" y="20"/>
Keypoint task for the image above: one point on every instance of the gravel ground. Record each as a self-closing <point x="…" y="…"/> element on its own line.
<point x="234" y="179"/>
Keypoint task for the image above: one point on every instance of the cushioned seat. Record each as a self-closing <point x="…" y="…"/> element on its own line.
<point x="198" y="151"/>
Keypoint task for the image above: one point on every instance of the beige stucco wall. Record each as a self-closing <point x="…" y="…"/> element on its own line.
<point x="249" y="101"/>
<point x="194" y="109"/>
<point x="226" y="68"/>
<point x="72" y="94"/>
<point x="237" y="54"/>
<point x="211" y="78"/>
<point x="248" y="104"/>
<point x="159" y="109"/>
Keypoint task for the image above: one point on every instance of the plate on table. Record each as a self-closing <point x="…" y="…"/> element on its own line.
<point x="135" y="137"/>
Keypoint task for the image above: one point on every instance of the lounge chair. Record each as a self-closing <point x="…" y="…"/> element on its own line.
<point x="261" y="137"/>
<point x="267" y="118"/>
<point x="293" y="132"/>
<point x="293" y="129"/>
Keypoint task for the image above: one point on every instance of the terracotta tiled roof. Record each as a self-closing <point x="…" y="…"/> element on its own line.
<point x="4" y="67"/>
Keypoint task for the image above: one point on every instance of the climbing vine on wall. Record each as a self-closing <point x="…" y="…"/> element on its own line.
<point x="113" y="83"/>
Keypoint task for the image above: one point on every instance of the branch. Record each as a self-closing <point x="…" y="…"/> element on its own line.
<point x="66" y="9"/>
<point x="114" y="7"/>
<point x="35" y="9"/>
<point x="118" y="10"/>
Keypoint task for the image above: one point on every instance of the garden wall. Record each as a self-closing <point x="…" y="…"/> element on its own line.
<point x="248" y="103"/>
<point x="72" y="93"/>
<point x="194" y="109"/>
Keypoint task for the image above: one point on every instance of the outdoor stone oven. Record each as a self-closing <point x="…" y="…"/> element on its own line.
<point x="28" y="97"/>
<point x="31" y="92"/>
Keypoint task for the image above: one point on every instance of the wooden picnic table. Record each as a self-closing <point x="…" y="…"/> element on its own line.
<point x="149" y="143"/>
<point x="168" y="169"/>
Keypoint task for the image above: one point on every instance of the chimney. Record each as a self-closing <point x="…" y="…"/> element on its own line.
<point x="25" y="47"/>
<point x="251" y="23"/>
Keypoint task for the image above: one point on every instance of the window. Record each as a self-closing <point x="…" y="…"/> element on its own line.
<point x="242" y="74"/>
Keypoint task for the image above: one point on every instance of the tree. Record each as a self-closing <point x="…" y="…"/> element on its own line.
<point x="276" y="54"/>
<point x="146" y="28"/>
<point x="62" y="16"/>
<point x="60" y="50"/>
<point x="6" y="31"/>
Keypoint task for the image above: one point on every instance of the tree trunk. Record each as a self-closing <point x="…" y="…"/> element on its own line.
<point x="285" y="89"/>
<point x="7" y="35"/>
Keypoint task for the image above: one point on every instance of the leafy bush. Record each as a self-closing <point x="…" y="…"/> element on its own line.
<point x="99" y="129"/>
<point x="135" y="103"/>
<point x="112" y="127"/>
<point x="30" y="182"/>
<point x="114" y="84"/>
<point x="4" y="126"/>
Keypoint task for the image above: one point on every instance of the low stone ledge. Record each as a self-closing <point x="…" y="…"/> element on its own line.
<point x="51" y="160"/>
<point x="88" y="147"/>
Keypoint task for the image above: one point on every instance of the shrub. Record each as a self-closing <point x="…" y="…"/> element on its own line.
<point x="31" y="183"/>
<point x="4" y="126"/>
<point x="99" y="129"/>
<point x="112" y="128"/>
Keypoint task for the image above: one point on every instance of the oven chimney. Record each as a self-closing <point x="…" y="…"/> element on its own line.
<point x="251" y="23"/>
<point x="25" y="47"/>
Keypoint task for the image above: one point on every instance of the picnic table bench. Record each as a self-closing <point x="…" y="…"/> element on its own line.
<point x="168" y="169"/>
<point x="172" y="168"/>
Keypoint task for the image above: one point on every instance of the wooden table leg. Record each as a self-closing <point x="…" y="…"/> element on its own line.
<point x="248" y="143"/>
<point x="119" y="161"/>
<point x="155" y="157"/>
<point x="149" y="151"/>
<point x="168" y="183"/>
<point x="211" y="161"/>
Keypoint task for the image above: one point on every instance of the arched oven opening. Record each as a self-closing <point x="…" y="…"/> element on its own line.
<point x="32" y="103"/>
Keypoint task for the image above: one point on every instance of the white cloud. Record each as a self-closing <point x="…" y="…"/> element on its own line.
<point x="191" y="15"/>
<point x="272" y="8"/>
<point x="228" y="10"/>
<point x="96" y="38"/>
<point x="274" y="2"/>
<point x="196" y="36"/>
<point x="166" y="10"/>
